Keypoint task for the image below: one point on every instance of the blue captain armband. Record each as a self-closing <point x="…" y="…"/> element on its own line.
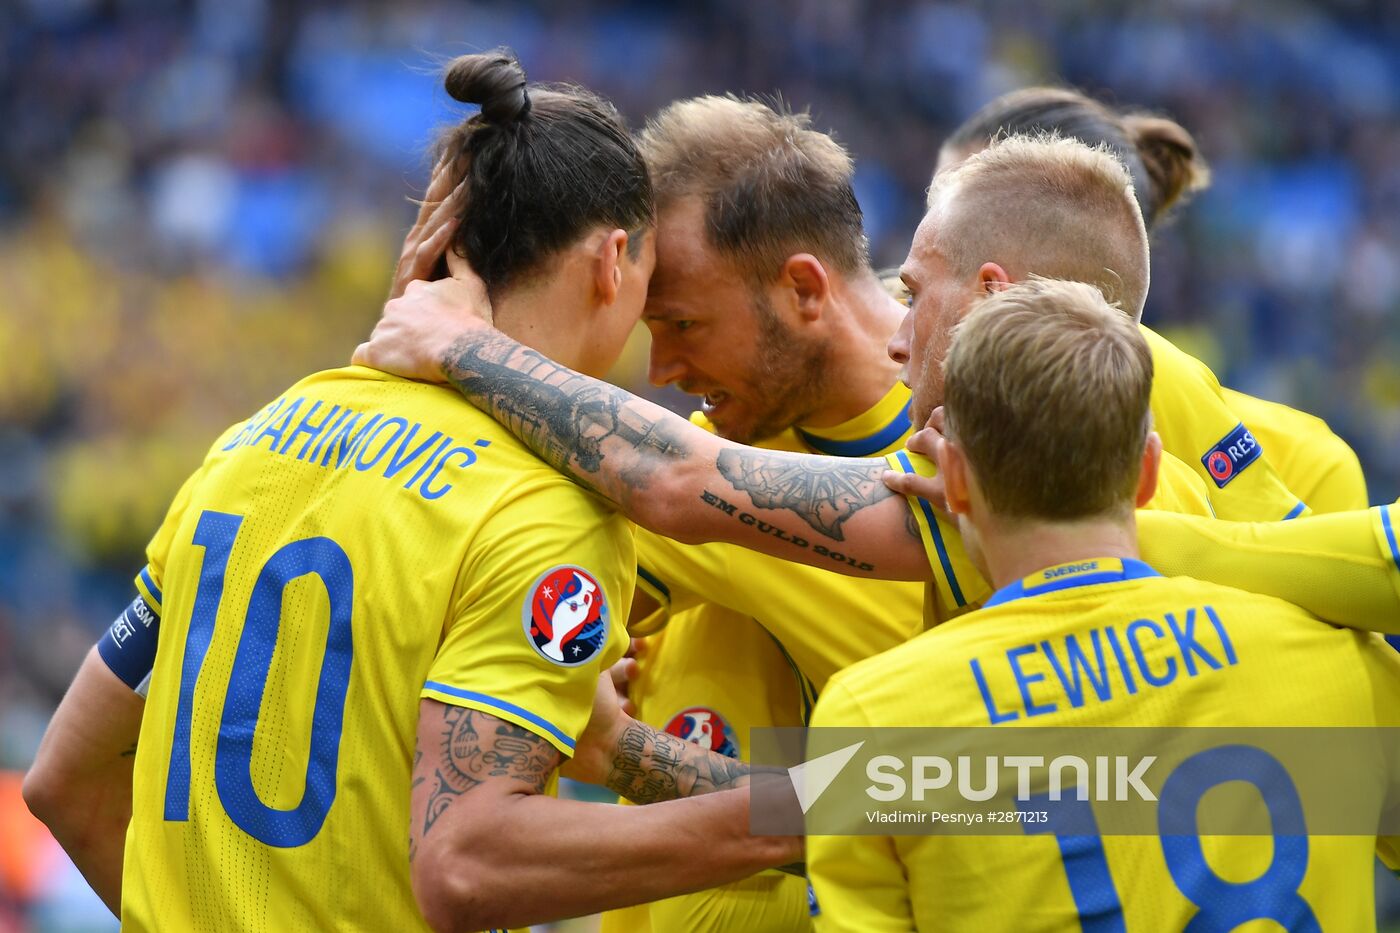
<point x="129" y="646"/>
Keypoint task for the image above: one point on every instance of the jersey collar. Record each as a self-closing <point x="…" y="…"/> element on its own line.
<point x="1068" y="576"/>
<point x="876" y="431"/>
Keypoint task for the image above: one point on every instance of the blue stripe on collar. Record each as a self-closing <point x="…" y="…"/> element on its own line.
<point x="1071" y="575"/>
<point x="865" y="446"/>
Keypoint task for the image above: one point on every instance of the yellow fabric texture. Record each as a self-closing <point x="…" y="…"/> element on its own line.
<point x="1191" y="413"/>
<point x="958" y="585"/>
<point x="1315" y="463"/>
<point x="748" y="641"/>
<point x="1344" y="567"/>
<point x="1282" y="667"/>
<point x="378" y="528"/>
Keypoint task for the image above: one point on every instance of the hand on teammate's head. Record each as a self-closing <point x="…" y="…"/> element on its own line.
<point x="431" y="234"/>
<point x="417" y="330"/>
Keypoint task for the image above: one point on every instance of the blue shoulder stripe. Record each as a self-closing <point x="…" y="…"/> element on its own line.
<point x="938" y="544"/>
<point x="865" y="446"/>
<point x="1390" y="535"/>
<point x="1297" y="510"/>
<point x="151" y="584"/>
<point x="504" y="706"/>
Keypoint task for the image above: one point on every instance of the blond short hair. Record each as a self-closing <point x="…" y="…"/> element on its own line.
<point x="771" y="185"/>
<point x="1049" y="206"/>
<point x="1048" y="392"/>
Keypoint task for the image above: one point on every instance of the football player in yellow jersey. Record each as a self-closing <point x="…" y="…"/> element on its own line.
<point x="1166" y="169"/>
<point x="1050" y="520"/>
<point x="371" y="609"/>
<point x="795" y="286"/>
<point x="1013" y="201"/>
<point x="779" y="193"/>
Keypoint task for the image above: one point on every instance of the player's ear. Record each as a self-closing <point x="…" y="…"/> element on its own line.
<point x="607" y="278"/>
<point x="991" y="277"/>
<point x="806" y="276"/>
<point x="1151" y="466"/>
<point x="952" y="466"/>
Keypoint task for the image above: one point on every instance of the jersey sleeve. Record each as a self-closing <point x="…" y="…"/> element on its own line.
<point x="860" y="881"/>
<point x="540" y="610"/>
<point x="1190" y="413"/>
<point x="1315" y="463"/>
<point x="679" y="576"/>
<point x="823" y="619"/>
<point x="128" y="647"/>
<point x="1344" y="568"/>
<point x="957" y="584"/>
<point x="1179" y="490"/>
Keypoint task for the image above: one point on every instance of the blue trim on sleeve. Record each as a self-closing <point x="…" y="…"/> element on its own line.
<point x="151" y="584"/>
<point x="1390" y="535"/>
<point x="865" y="446"/>
<point x="1297" y="510"/>
<point x="128" y="647"/>
<point x="932" y="519"/>
<point x="502" y="705"/>
<point x="654" y="581"/>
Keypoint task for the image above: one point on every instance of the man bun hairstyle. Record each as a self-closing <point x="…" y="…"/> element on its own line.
<point x="494" y="80"/>
<point x="1161" y="156"/>
<point x="1174" y="166"/>
<point x="543" y="165"/>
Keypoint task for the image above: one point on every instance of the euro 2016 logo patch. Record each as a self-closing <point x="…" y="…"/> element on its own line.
<point x="566" y="616"/>
<point x="705" y="728"/>
<point x="1236" y="450"/>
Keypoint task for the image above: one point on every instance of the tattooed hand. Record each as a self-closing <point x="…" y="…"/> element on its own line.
<point x="418" y="328"/>
<point x="593" y="750"/>
<point x="644" y="764"/>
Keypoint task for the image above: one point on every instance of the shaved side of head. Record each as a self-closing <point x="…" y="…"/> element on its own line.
<point x="1045" y="206"/>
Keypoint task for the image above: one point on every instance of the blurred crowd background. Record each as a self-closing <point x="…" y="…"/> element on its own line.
<point x="201" y="201"/>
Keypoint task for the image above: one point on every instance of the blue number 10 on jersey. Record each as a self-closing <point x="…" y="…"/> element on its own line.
<point x="242" y="703"/>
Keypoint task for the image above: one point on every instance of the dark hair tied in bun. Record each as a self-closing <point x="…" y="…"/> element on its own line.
<point x="492" y="79"/>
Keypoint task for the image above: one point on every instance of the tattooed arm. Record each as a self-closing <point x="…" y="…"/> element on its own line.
<point x="490" y="849"/>
<point x="80" y="782"/>
<point x="663" y="472"/>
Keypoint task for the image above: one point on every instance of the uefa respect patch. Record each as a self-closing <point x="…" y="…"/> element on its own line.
<point x="1227" y="459"/>
<point x="706" y="728"/>
<point x="565" y="615"/>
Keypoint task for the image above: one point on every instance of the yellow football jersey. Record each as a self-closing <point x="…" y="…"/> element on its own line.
<point x="1247" y="661"/>
<point x="1343" y="567"/>
<point x="1315" y="463"/>
<point x="958" y="586"/>
<point x="363" y="542"/>
<point x="722" y="665"/>
<point x="1190" y="412"/>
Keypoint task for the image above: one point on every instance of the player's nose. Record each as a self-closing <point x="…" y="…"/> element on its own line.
<point x="663" y="366"/>
<point x="898" y="347"/>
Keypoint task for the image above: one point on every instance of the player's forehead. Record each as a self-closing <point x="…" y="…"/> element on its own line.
<point x="923" y="250"/>
<point x="694" y="298"/>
